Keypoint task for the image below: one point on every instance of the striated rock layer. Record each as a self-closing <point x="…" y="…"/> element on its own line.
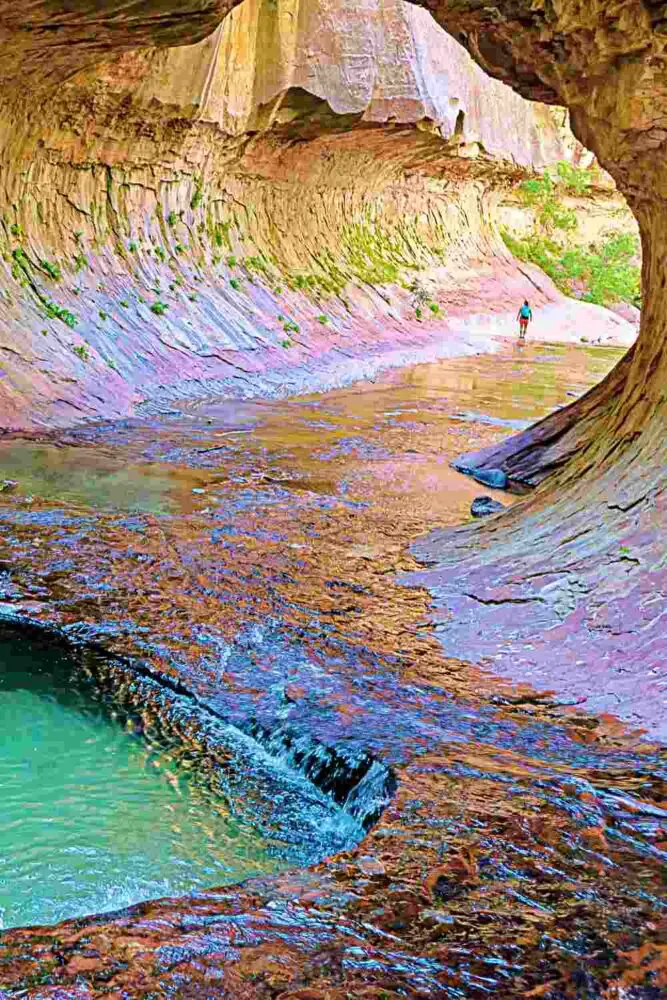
<point x="244" y="214"/>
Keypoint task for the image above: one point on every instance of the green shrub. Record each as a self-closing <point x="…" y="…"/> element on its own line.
<point x="172" y="219"/>
<point x="53" y="270"/>
<point x="235" y="283"/>
<point x="198" y="195"/>
<point x="574" y="179"/>
<point x="434" y="307"/>
<point x="604" y="273"/>
<point x="159" y="307"/>
<point x="54" y="311"/>
<point x="542" y="195"/>
<point x="82" y="351"/>
<point x="323" y="319"/>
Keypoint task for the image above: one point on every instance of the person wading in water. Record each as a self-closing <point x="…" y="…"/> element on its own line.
<point x="524" y="317"/>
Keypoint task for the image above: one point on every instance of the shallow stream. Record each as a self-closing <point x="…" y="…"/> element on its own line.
<point x="264" y="580"/>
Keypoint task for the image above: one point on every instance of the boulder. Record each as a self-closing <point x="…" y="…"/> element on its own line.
<point x="496" y="479"/>
<point x="483" y="506"/>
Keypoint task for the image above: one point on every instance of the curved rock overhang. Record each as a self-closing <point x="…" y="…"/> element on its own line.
<point x="596" y="523"/>
<point x="180" y="213"/>
<point x="44" y="43"/>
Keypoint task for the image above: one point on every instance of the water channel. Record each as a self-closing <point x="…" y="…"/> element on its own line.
<point x="253" y="557"/>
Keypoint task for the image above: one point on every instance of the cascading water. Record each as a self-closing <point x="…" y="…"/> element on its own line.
<point x="100" y="811"/>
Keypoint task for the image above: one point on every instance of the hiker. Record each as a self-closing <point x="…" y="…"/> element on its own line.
<point x="524" y="317"/>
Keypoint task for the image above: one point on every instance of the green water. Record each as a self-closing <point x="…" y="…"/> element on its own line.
<point x="92" y="817"/>
<point x="93" y="477"/>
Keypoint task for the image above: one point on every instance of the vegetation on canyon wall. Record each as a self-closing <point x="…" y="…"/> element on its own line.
<point x="604" y="272"/>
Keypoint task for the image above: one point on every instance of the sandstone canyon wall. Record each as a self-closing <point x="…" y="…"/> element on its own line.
<point x="570" y="585"/>
<point x="245" y="214"/>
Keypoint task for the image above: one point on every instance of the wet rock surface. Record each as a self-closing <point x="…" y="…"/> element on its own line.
<point x="485" y="506"/>
<point x="522" y="851"/>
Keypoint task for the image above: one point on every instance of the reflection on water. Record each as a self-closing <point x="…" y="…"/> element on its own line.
<point x="93" y="478"/>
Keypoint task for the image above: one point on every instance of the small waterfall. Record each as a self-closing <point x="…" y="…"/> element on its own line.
<point x="357" y="782"/>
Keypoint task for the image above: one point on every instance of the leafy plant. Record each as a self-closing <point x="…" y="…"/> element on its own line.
<point x="323" y="319"/>
<point x="235" y="283"/>
<point x="54" y="311"/>
<point x="160" y="254"/>
<point x="132" y="246"/>
<point x="125" y="304"/>
<point x="103" y="315"/>
<point x="198" y="195"/>
<point x="542" y="195"/>
<point x="82" y="351"/>
<point x="53" y="270"/>
<point x="434" y="307"/>
<point x="80" y="261"/>
<point x="575" y="179"/>
<point x="232" y="261"/>
<point x="604" y="273"/>
<point x="159" y="308"/>
<point x="16" y="230"/>
<point x="172" y="219"/>
<point x="286" y="343"/>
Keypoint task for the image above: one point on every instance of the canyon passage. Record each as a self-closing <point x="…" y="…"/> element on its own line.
<point x="260" y="266"/>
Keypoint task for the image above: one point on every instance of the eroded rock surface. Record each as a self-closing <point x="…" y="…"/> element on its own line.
<point x="242" y="215"/>
<point x="523" y="847"/>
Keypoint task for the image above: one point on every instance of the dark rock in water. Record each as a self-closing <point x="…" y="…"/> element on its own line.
<point x="483" y="506"/>
<point x="495" y="478"/>
<point x="447" y="889"/>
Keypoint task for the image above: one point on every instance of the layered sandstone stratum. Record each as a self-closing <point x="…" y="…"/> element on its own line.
<point x="246" y="214"/>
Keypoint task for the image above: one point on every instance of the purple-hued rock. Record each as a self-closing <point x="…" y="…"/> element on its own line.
<point x="484" y="506"/>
